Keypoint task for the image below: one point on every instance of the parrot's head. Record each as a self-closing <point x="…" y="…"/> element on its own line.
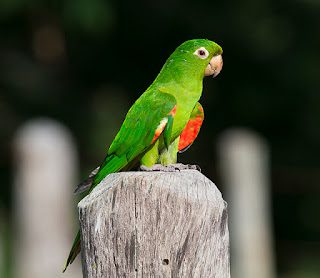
<point x="199" y="55"/>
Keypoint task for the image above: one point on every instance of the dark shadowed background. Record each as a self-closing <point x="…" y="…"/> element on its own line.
<point x="84" y="63"/>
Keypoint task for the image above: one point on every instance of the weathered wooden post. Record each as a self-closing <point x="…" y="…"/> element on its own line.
<point x="155" y="224"/>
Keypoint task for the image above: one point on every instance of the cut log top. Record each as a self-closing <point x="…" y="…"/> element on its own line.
<point x="155" y="224"/>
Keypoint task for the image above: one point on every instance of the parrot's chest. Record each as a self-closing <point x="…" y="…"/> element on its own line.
<point x="181" y="119"/>
<point x="186" y="100"/>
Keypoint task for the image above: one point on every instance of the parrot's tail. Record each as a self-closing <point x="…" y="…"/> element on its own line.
<point x="75" y="250"/>
<point x="111" y="164"/>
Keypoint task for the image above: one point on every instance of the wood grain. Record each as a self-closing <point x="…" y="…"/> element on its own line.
<point x="155" y="224"/>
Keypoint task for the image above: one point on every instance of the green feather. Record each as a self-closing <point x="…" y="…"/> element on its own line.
<point x="75" y="250"/>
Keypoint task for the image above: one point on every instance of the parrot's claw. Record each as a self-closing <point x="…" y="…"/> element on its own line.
<point x="169" y="168"/>
<point x="159" y="168"/>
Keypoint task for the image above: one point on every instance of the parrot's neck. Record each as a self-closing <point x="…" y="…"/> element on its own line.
<point x="186" y="91"/>
<point x="185" y="84"/>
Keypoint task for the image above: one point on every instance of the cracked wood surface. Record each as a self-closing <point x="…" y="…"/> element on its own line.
<point x="155" y="224"/>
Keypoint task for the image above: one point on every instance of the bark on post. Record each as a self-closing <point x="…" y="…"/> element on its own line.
<point x="155" y="224"/>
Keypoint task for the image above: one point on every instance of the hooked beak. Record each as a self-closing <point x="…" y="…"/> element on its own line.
<point x="214" y="67"/>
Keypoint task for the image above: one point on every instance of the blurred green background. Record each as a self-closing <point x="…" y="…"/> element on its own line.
<point x="84" y="62"/>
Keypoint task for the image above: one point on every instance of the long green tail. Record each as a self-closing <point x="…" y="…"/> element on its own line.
<point x="75" y="250"/>
<point x="111" y="164"/>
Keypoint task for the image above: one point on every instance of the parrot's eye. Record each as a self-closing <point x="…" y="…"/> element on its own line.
<point x="202" y="53"/>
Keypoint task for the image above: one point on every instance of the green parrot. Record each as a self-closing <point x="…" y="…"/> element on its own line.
<point x="164" y="120"/>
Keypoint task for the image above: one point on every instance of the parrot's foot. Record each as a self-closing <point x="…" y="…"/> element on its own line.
<point x="169" y="168"/>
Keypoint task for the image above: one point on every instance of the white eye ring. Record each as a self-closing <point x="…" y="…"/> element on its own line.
<point x="202" y="53"/>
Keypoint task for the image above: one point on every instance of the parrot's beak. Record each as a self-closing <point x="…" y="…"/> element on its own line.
<point x="214" y="67"/>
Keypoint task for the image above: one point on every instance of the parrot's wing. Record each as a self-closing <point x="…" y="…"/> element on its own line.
<point x="191" y="130"/>
<point x="146" y="120"/>
<point x="151" y="115"/>
<point x="142" y="124"/>
<point x="140" y="127"/>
